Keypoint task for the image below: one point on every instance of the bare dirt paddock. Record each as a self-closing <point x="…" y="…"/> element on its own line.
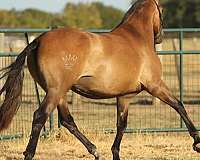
<point x="62" y="146"/>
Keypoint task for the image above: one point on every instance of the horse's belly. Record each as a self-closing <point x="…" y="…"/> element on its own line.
<point x="104" y="87"/>
<point x="92" y="93"/>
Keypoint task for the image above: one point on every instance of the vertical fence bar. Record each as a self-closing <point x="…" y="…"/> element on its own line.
<point x="180" y="53"/>
<point x="181" y="85"/>
<point x="59" y="120"/>
<point x="1" y="58"/>
<point x="1" y="49"/>
<point x="1" y="42"/>
<point x="51" y="121"/>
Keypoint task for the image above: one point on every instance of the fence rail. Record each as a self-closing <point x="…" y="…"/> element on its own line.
<point x="179" y="77"/>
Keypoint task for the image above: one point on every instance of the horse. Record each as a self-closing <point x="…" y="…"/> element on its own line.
<point x="119" y="64"/>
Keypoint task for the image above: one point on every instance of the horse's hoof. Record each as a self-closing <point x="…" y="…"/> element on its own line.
<point x="100" y="158"/>
<point x="116" y="158"/>
<point x="196" y="147"/>
<point x="28" y="156"/>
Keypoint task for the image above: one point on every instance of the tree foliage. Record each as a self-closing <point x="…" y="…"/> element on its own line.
<point x="110" y="17"/>
<point x="177" y="13"/>
<point x="81" y="15"/>
<point x="181" y="13"/>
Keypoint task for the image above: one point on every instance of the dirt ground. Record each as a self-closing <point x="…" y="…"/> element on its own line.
<point x="62" y="146"/>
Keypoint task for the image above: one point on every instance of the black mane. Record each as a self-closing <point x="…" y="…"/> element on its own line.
<point x="130" y="12"/>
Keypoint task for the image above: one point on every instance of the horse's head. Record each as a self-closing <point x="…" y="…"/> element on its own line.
<point x="157" y="23"/>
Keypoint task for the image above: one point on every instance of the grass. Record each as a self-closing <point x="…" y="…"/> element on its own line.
<point x="61" y="145"/>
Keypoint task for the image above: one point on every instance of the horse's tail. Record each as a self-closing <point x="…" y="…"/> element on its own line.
<point x="13" y="86"/>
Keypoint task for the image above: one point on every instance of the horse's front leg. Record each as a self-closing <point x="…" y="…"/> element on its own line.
<point x="39" y="119"/>
<point x="122" y="114"/>
<point x="161" y="91"/>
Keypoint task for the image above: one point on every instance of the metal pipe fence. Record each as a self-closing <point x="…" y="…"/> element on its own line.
<point x="180" y="56"/>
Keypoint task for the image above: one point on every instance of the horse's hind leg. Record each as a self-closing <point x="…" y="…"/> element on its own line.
<point x="122" y="114"/>
<point x="68" y="122"/>
<point x="161" y="91"/>
<point x="40" y="116"/>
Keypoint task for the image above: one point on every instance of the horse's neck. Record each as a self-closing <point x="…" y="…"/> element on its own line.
<point x="140" y="23"/>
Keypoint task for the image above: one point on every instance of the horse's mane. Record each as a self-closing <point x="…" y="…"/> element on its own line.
<point x="130" y="12"/>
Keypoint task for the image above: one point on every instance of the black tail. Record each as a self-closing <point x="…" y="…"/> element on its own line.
<point x="13" y="86"/>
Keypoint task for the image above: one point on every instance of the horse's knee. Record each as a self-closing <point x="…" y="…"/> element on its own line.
<point x="39" y="116"/>
<point x="122" y="122"/>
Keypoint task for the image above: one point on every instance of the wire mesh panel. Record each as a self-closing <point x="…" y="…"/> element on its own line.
<point x="192" y="86"/>
<point x="21" y="124"/>
<point x="22" y="121"/>
<point x="145" y="112"/>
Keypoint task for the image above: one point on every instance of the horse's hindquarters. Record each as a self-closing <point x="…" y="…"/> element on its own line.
<point x="35" y="70"/>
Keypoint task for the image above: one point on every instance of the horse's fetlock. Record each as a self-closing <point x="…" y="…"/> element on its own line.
<point x="92" y="149"/>
<point x="196" y="137"/>
<point x="28" y="155"/>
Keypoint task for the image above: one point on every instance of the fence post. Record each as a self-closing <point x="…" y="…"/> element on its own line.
<point x="159" y="47"/>
<point x="181" y="86"/>
<point x="1" y="42"/>
<point x="1" y="47"/>
<point x="1" y="50"/>
<point x="59" y="120"/>
<point x="175" y="44"/>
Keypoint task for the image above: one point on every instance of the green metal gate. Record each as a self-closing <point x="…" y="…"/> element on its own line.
<point x="180" y="57"/>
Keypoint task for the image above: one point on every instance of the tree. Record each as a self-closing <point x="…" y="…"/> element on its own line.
<point x="82" y="15"/>
<point x="8" y="18"/>
<point x="181" y="13"/>
<point x="34" y="18"/>
<point x="110" y="16"/>
<point x="58" y="20"/>
<point x="197" y="13"/>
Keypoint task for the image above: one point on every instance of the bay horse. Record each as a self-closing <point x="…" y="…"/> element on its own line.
<point x="120" y="64"/>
